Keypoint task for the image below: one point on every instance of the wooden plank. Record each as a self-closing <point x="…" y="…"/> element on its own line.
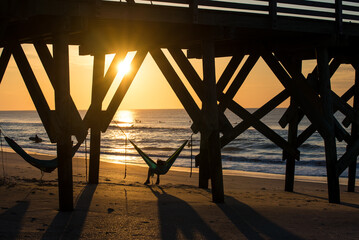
<point x="62" y="100"/>
<point x="122" y="89"/>
<point x="47" y="61"/>
<point x="4" y="60"/>
<point x="329" y="137"/>
<point x="96" y="103"/>
<point x="43" y="109"/>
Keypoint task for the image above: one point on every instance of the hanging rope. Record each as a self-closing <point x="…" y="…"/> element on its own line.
<point x="2" y="157"/>
<point x="125" y="157"/>
<point x="86" y="158"/>
<point x="191" y="143"/>
<point x="125" y="148"/>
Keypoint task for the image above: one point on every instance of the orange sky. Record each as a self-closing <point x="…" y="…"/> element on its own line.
<point x="149" y="89"/>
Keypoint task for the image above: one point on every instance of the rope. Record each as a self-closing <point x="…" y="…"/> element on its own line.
<point x="191" y="142"/>
<point x="2" y="156"/>
<point x="125" y="148"/>
<point x="86" y="158"/>
<point x="125" y="158"/>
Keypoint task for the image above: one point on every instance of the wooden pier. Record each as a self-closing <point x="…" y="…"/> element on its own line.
<point x="283" y="33"/>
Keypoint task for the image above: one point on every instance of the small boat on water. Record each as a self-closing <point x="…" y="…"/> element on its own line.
<point x="36" y="139"/>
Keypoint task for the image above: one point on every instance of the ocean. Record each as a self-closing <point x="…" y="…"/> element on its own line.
<point x="160" y="132"/>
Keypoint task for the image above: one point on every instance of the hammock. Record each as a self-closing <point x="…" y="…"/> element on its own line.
<point x="160" y="169"/>
<point x="44" y="165"/>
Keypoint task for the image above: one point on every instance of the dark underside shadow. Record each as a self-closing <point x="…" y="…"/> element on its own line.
<point x="10" y="220"/>
<point x="251" y="224"/>
<point x="69" y="225"/>
<point x="177" y="216"/>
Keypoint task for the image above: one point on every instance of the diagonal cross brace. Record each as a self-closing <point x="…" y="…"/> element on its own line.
<point x="50" y="122"/>
<point x="48" y="62"/>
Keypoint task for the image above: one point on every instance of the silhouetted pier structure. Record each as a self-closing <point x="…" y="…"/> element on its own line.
<point x="283" y="33"/>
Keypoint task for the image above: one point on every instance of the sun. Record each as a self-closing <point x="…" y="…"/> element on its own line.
<point x="124" y="67"/>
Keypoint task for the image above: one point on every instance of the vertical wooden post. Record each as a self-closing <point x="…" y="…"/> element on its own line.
<point x="96" y="102"/>
<point x="354" y="135"/>
<point x="211" y="135"/>
<point x="329" y="139"/>
<point x="292" y="139"/>
<point x="62" y="99"/>
<point x="273" y="12"/>
<point x="339" y="15"/>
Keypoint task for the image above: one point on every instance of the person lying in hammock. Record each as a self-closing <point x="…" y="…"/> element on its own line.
<point x="151" y="172"/>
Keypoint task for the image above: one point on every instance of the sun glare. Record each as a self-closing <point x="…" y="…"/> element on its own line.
<point x="124" y="67"/>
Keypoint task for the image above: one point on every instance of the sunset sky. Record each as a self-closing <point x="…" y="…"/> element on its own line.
<point x="149" y="90"/>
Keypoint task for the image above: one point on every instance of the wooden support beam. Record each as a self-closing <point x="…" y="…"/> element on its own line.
<point x="329" y="136"/>
<point x="78" y="129"/>
<point x="258" y="114"/>
<point x="264" y="129"/>
<point x="62" y="102"/>
<point x="103" y="88"/>
<point x="292" y="137"/>
<point x="210" y="112"/>
<point x="311" y="129"/>
<point x="38" y="98"/>
<point x="96" y="103"/>
<point x="237" y="82"/>
<point x="305" y="96"/>
<point x="354" y="136"/>
<point x="178" y="87"/>
<point x="292" y="141"/>
<point x="123" y="88"/>
<point x="4" y="60"/>
<point x="197" y="84"/>
<point x="348" y="158"/>
<point x="312" y="79"/>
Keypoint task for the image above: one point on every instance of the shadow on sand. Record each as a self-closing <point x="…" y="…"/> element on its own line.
<point x="11" y="220"/>
<point x="251" y="224"/>
<point x="69" y="225"/>
<point x="186" y="220"/>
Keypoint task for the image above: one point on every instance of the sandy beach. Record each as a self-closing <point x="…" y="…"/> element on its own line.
<point x="255" y="207"/>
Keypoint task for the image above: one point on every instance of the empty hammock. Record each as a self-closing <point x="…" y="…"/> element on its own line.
<point x="44" y="165"/>
<point x="160" y="169"/>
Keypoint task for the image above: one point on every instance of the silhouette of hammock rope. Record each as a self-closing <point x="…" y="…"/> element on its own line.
<point x="159" y="169"/>
<point x="44" y="165"/>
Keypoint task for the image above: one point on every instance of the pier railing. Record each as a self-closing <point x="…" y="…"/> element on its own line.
<point x="332" y="10"/>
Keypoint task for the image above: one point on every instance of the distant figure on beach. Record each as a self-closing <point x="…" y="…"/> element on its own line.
<point x="151" y="173"/>
<point x="36" y="139"/>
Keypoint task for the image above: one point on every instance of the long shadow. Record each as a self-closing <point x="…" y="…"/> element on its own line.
<point x="10" y="221"/>
<point x="69" y="225"/>
<point x="176" y="215"/>
<point x="353" y="205"/>
<point x="251" y="224"/>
